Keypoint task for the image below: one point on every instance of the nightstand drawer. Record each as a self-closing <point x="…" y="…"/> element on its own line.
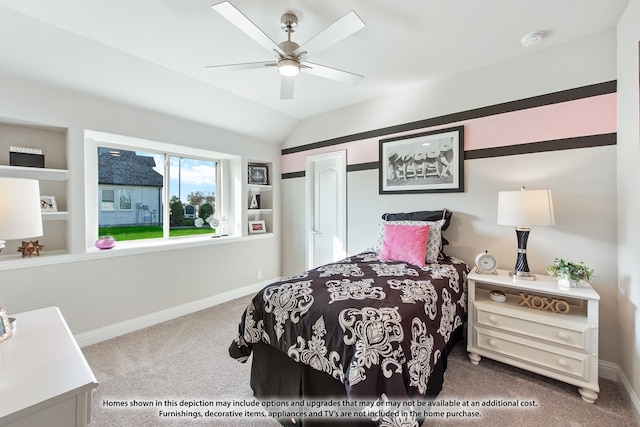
<point x="533" y="354"/>
<point x="571" y="337"/>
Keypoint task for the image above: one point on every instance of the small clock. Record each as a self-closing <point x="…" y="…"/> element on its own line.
<point x="486" y="264"/>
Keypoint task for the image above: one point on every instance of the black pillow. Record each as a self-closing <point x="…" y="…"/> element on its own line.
<point x="421" y="216"/>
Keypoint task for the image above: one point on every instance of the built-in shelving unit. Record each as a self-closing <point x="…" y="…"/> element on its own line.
<point x="53" y="178"/>
<point x="261" y="195"/>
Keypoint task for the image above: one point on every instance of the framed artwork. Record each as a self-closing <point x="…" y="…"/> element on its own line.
<point x="48" y="204"/>
<point x="257" y="227"/>
<point x="5" y="326"/>
<point x="258" y="175"/>
<point x="429" y="162"/>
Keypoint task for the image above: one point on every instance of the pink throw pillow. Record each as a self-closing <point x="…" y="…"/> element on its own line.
<point x="407" y="243"/>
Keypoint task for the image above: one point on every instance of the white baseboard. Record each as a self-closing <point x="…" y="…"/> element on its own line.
<point x="608" y="371"/>
<point x="101" y="334"/>
<point x="631" y="395"/>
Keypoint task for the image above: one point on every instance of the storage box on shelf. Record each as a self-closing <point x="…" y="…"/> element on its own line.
<point x="538" y="327"/>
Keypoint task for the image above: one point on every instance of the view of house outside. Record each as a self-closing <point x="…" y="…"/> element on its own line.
<point x="131" y="184"/>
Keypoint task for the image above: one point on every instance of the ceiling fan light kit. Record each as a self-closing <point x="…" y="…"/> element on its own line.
<point x="288" y="67"/>
<point x="289" y="55"/>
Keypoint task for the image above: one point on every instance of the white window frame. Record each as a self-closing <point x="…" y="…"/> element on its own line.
<point x="226" y="169"/>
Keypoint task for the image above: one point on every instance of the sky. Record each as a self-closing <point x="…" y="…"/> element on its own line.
<point x="187" y="175"/>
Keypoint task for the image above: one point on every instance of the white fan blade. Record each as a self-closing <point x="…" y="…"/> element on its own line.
<point x="233" y="15"/>
<point x="286" y="87"/>
<point x="244" y="66"/>
<point x="341" y="29"/>
<point x="331" y="73"/>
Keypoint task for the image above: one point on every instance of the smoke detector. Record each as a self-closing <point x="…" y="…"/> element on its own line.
<point x="530" y="39"/>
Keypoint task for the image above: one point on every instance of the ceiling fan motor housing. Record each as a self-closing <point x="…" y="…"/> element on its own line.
<point x="288" y="46"/>
<point x="289" y="22"/>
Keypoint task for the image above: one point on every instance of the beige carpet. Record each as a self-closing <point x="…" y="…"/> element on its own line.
<point x="186" y="360"/>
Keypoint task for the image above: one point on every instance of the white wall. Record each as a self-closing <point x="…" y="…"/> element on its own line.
<point x="583" y="181"/>
<point x="629" y="196"/>
<point x="579" y="63"/>
<point x="95" y="292"/>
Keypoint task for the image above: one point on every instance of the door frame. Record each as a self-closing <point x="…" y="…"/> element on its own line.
<point x="341" y="155"/>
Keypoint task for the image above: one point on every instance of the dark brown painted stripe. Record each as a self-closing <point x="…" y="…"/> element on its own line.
<point x="511" y="150"/>
<point x="300" y="174"/>
<point x="506" y="107"/>
<point x="543" y="146"/>
<point x="362" y="166"/>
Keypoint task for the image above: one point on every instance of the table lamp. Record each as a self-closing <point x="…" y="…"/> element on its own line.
<point x="523" y="209"/>
<point x="20" y="213"/>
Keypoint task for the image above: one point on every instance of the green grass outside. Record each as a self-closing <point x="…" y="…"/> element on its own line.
<point x="148" y="232"/>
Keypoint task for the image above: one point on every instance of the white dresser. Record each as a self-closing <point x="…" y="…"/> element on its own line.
<point x="539" y="328"/>
<point x="44" y="377"/>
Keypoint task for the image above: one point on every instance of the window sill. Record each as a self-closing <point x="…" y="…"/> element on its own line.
<point x="14" y="261"/>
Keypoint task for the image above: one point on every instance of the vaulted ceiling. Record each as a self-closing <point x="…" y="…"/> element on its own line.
<point x="154" y="53"/>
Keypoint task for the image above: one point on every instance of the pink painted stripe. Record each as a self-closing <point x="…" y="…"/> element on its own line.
<point x="582" y="117"/>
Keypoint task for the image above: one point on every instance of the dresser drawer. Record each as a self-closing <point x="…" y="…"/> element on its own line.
<point x="532" y="353"/>
<point x="571" y="337"/>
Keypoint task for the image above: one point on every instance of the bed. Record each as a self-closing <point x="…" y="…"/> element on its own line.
<point x="374" y="327"/>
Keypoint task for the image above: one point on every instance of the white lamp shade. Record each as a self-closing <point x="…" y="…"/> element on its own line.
<point x="20" y="214"/>
<point x="525" y="208"/>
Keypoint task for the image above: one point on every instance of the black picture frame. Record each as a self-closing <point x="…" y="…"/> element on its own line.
<point x="258" y="175"/>
<point x="428" y="162"/>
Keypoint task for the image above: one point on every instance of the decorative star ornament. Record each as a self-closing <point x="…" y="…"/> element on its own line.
<point x="30" y="248"/>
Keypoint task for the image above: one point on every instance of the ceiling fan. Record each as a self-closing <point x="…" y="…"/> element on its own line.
<point x="289" y="55"/>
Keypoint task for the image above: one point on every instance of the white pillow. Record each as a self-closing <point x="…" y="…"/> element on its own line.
<point x="434" y="242"/>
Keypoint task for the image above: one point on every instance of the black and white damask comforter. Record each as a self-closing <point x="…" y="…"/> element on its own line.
<point x="379" y="327"/>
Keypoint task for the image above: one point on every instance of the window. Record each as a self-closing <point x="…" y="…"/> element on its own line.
<point x="108" y="202"/>
<point x="192" y="189"/>
<point x="125" y="200"/>
<point x="159" y="194"/>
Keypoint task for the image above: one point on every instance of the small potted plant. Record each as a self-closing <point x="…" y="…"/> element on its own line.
<point x="570" y="272"/>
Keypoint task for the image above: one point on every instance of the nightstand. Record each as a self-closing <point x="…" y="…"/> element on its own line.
<point x="538" y="327"/>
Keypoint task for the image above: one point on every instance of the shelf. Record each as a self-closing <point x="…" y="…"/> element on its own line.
<point x="13" y="260"/>
<point x="55" y="216"/>
<point x="543" y="283"/>
<point x="259" y="211"/>
<point x="259" y="187"/>
<point x="34" y="173"/>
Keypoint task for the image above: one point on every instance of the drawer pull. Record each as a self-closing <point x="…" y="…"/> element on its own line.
<point x="563" y="363"/>
<point x="492" y="342"/>
<point x="563" y="335"/>
<point x="492" y="319"/>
